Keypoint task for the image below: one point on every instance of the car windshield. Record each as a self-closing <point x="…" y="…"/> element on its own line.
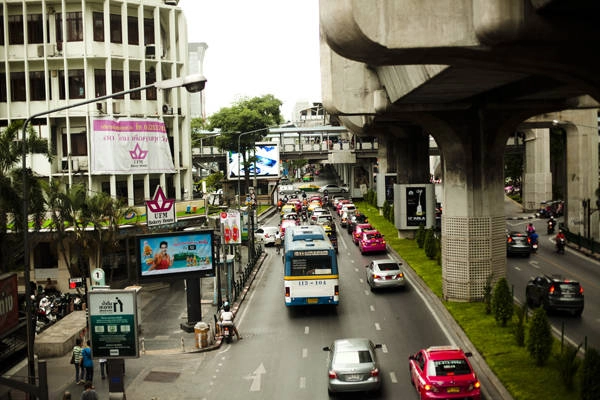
<point x="353" y="357"/>
<point x="388" y="267"/>
<point x="448" y="368"/>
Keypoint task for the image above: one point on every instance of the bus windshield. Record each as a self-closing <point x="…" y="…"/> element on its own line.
<point x="311" y="265"/>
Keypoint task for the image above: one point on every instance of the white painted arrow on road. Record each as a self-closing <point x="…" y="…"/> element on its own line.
<point x="256" y="378"/>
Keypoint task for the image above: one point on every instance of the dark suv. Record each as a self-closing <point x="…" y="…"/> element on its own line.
<point x="555" y="294"/>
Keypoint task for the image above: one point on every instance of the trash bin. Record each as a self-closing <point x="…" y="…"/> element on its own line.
<point x="201" y="334"/>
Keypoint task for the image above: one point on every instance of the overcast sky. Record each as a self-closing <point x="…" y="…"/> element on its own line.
<point x="257" y="47"/>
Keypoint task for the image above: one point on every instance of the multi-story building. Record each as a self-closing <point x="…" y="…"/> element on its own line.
<point x="56" y="53"/>
<point x="59" y="52"/>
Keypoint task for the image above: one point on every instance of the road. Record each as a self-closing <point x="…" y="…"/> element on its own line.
<point x="572" y="265"/>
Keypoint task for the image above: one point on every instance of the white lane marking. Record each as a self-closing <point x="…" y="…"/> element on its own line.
<point x="393" y="377"/>
<point x="384" y="348"/>
<point x="306" y="330"/>
<point x="302" y="382"/>
<point x="361" y="280"/>
<point x="517" y="268"/>
<point x="355" y="269"/>
<point x="256" y="378"/>
<point x="377" y="326"/>
<point x="304" y="353"/>
<point x="372" y="307"/>
<point x="367" y="292"/>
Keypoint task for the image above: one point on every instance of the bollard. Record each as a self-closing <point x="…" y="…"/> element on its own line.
<point x="182" y="345"/>
<point x="143" y="346"/>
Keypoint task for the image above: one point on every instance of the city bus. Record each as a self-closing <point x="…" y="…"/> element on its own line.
<point x="310" y="267"/>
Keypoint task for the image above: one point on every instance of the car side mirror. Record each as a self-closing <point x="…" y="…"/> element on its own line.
<point x="326" y="348"/>
<point x="411" y="357"/>
<point x="468" y="354"/>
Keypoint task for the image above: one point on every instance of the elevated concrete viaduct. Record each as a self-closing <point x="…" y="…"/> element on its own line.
<point x="469" y="73"/>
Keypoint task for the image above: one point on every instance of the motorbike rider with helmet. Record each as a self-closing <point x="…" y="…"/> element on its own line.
<point x="560" y="241"/>
<point x="551" y="225"/>
<point x="226" y="319"/>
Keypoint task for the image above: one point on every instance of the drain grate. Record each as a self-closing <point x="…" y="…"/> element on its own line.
<point x="160" y="376"/>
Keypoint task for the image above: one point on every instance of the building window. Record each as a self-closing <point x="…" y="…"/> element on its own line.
<point x="118" y="84"/>
<point x="100" y="82"/>
<point x="115" y="29"/>
<point x="151" y="78"/>
<point x="148" y="31"/>
<point x="133" y="36"/>
<point x="3" y="87"/>
<point x="76" y="84"/>
<point x="35" y="28"/>
<point x="98" y="20"/>
<point x="37" y="86"/>
<point x="17" y="86"/>
<point x="15" y="29"/>
<point x="134" y="82"/>
<point x="1" y="30"/>
<point x="78" y="143"/>
<point x="74" y="27"/>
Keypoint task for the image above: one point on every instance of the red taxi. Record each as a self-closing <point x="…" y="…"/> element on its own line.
<point x="444" y="372"/>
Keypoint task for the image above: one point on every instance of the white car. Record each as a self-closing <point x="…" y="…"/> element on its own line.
<point x="331" y="188"/>
<point x="266" y="235"/>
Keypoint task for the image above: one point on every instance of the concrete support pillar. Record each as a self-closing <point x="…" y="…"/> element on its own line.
<point x="537" y="178"/>
<point x="581" y="127"/>
<point x="473" y="222"/>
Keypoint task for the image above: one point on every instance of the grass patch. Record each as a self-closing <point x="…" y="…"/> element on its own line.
<point x="511" y="364"/>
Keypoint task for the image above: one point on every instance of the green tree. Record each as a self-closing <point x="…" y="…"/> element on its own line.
<point x="214" y="181"/>
<point x="245" y="123"/>
<point x="430" y="245"/>
<point x="11" y="190"/>
<point x="539" y="342"/>
<point x="502" y="302"/>
<point x="487" y="294"/>
<point x="519" y="329"/>
<point x="568" y="364"/>
<point x="420" y="236"/>
<point x="590" y="384"/>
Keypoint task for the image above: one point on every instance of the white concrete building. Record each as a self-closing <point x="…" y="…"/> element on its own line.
<point x="59" y="52"/>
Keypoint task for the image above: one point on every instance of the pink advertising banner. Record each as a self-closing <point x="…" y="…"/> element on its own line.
<point x="130" y="146"/>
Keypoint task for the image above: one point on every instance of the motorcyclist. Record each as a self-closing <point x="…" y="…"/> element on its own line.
<point x="560" y="235"/>
<point x="278" y="242"/>
<point x="226" y="319"/>
<point x="530" y="229"/>
<point x="551" y="224"/>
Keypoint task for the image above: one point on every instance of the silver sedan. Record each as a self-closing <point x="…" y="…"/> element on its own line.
<point x="385" y="274"/>
<point x="353" y="366"/>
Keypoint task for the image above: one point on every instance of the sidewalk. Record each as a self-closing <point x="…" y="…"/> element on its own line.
<point x="161" y="340"/>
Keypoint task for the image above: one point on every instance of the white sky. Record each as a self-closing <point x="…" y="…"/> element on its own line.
<point x="257" y="47"/>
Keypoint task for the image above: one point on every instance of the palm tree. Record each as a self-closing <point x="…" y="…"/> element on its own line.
<point x="11" y="190"/>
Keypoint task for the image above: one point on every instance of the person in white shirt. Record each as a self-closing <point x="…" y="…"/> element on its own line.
<point x="227" y="317"/>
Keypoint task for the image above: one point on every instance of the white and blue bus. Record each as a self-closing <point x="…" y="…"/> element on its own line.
<point x="311" y="274"/>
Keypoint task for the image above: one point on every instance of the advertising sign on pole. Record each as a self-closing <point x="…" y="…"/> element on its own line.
<point x="160" y="210"/>
<point x="230" y="221"/>
<point x="414" y="205"/>
<point x="113" y="323"/>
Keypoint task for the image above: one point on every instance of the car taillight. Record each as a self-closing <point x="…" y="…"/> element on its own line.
<point x="332" y="375"/>
<point x="375" y="276"/>
<point x="287" y="292"/>
<point x="400" y="276"/>
<point x="474" y="385"/>
<point x="336" y="290"/>
<point x="375" y="372"/>
<point x="552" y="289"/>
<point x="580" y="289"/>
<point x="430" y="388"/>
<point x="509" y="240"/>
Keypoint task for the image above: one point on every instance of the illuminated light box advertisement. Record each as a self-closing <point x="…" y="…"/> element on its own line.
<point x="267" y="162"/>
<point x="130" y="146"/>
<point x="182" y="254"/>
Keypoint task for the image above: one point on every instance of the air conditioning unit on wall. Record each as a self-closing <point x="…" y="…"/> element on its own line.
<point x="50" y="49"/>
<point x="116" y="105"/>
<point x="167" y="109"/>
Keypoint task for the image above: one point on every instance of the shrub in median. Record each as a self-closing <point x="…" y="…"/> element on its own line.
<point x="539" y="342"/>
<point x="590" y="384"/>
<point x="502" y="302"/>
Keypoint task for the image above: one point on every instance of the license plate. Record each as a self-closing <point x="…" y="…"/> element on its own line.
<point x="453" y="390"/>
<point x="312" y="301"/>
<point x="353" y="378"/>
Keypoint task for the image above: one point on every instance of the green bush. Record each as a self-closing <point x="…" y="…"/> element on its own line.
<point x="539" y="342"/>
<point x="430" y="244"/>
<point x="590" y="384"/>
<point x="386" y="210"/>
<point x="487" y="294"/>
<point x="568" y="364"/>
<point x="519" y="329"/>
<point x="502" y="302"/>
<point x="420" y="236"/>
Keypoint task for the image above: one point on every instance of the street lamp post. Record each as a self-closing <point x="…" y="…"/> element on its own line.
<point x="193" y="83"/>
<point x="250" y="210"/>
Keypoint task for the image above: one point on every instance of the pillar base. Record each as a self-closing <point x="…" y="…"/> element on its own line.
<point x="188" y="326"/>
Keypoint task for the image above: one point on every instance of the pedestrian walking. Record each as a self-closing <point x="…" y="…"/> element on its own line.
<point x="88" y="392"/>
<point x="87" y="363"/>
<point x="76" y="361"/>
